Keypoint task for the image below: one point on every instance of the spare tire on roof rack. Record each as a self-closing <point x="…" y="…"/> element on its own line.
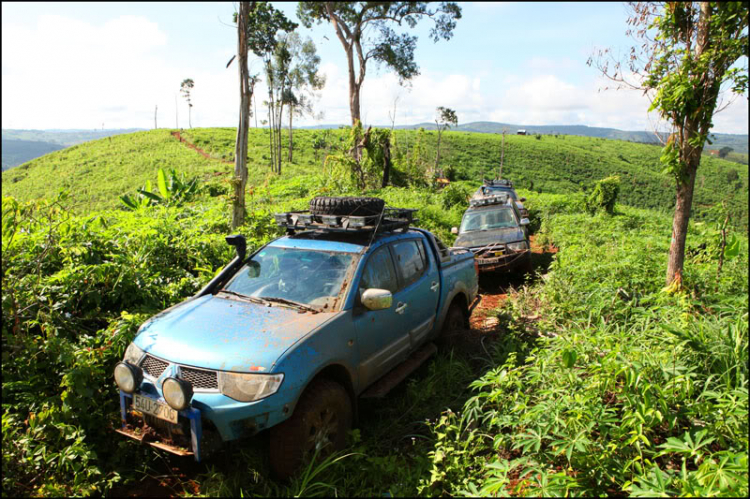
<point x="343" y="206"/>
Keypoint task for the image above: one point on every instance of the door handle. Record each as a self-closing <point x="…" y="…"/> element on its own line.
<point x="400" y="308"/>
<point x="434" y="286"/>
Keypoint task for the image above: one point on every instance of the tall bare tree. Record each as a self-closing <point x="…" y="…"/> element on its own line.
<point x="186" y="88"/>
<point x="240" y="148"/>
<point x="444" y="118"/>
<point x="355" y="22"/>
<point x="684" y="66"/>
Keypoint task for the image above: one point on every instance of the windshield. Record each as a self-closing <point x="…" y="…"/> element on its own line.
<point x="497" y="218"/>
<point x="312" y="278"/>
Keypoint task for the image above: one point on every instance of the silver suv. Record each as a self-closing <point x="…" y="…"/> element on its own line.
<point x="494" y="229"/>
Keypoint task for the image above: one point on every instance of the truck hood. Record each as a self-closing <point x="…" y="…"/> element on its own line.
<point x="226" y="334"/>
<point x="484" y="237"/>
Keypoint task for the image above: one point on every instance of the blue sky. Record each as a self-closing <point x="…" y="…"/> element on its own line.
<point x="88" y="65"/>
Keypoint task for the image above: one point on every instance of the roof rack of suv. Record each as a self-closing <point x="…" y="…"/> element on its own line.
<point x="501" y="198"/>
<point x="391" y="219"/>
<point x="498" y="182"/>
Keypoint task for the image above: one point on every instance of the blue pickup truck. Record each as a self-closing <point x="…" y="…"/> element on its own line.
<point x="289" y="337"/>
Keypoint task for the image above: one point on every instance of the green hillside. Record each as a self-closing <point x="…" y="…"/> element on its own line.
<point x="97" y="173"/>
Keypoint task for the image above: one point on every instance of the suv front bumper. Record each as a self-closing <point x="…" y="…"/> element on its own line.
<point x="507" y="260"/>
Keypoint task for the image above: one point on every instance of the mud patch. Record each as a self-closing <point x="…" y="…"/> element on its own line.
<point x="176" y="134"/>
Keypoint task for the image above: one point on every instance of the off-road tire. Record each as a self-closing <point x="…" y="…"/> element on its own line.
<point x="344" y="206"/>
<point x="293" y="441"/>
<point x="454" y="325"/>
<point x="527" y="267"/>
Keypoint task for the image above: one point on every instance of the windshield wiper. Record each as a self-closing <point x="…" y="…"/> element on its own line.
<point x="244" y="297"/>
<point x="296" y="304"/>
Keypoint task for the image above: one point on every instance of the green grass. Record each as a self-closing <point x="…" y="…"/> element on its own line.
<point x="98" y="172"/>
<point x="615" y="386"/>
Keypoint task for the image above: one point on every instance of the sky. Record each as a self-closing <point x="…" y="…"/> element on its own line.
<point x="68" y="65"/>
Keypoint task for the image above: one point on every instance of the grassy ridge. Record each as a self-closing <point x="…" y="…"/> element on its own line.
<point x="98" y="172"/>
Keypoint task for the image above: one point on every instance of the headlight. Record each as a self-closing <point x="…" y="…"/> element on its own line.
<point x="133" y="354"/>
<point x="249" y="387"/>
<point x="128" y="377"/>
<point x="519" y="246"/>
<point x="177" y="393"/>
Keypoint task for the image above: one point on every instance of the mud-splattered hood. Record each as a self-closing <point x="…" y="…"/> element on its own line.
<point x="484" y="237"/>
<point x="225" y="334"/>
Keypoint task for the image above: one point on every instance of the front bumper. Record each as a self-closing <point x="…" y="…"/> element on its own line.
<point x="508" y="260"/>
<point x="132" y="429"/>
<point x="211" y="419"/>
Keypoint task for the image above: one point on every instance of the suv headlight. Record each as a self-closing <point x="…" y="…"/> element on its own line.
<point x="249" y="387"/>
<point x="128" y="377"/>
<point x="133" y="354"/>
<point x="519" y="246"/>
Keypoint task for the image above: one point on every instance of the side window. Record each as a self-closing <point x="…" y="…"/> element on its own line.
<point x="410" y="260"/>
<point x="379" y="272"/>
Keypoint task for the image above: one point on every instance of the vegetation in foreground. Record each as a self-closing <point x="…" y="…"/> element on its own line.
<point x="598" y="382"/>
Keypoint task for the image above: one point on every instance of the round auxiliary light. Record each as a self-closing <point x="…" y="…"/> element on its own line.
<point x="128" y="377"/>
<point x="177" y="393"/>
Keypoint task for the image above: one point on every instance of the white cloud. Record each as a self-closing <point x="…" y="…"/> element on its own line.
<point x="65" y="73"/>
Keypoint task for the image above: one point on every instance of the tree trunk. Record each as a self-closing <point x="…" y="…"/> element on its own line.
<point x="291" y="146"/>
<point x="354" y="100"/>
<point x="278" y="132"/>
<point x="437" y="154"/>
<point x="387" y="161"/>
<point x="240" y="150"/>
<point x="680" y="228"/>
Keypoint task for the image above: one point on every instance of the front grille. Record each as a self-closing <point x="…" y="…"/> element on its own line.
<point x="153" y="366"/>
<point x="200" y="379"/>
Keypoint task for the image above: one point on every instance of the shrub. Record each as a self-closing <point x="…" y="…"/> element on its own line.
<point x="604" y="195"/>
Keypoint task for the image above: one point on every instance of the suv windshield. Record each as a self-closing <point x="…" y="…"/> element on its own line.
<point x="497" y="218"/>
<point x="312" y="278"/>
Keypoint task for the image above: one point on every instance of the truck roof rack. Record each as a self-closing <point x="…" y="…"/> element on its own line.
<point x="390" y="220"/>
<point x="501" y="198"/>
<point x="498" y="182"/>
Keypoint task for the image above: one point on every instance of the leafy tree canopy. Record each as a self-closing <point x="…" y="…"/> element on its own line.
<point x="382" y="43"/>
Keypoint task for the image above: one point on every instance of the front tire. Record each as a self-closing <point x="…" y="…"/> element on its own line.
<point x="454" y="325"/>
<point x="321" y="420"/>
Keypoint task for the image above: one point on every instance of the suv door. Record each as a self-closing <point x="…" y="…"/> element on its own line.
<point x="382" y="335"/>
<point x="420" y="287"/>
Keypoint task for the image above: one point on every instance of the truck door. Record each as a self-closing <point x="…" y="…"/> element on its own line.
<point x="420" y="288"/>
<point x="382" y="335"/>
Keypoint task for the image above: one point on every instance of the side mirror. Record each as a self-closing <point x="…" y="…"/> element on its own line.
<point x="523" y="200"/>
<point x="253" y="269"/>
<point x="454" y="230"/>
<point x="377" y="299"/>
<point x="524" y="221"/>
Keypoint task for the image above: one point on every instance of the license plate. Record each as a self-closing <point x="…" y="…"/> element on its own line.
<point x="498" y="253"/>
<point x="154" y="408"/>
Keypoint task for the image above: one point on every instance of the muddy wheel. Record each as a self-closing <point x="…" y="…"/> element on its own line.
<point x="321" y="420"/>
<point x="356" y="206"/>
<point x="454" y="325"/>
<point x="528" y="266"/>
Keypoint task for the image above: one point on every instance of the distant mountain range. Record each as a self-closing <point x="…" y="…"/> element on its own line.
<point x="20" y="146"/>
<point x="739" y="143"/>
